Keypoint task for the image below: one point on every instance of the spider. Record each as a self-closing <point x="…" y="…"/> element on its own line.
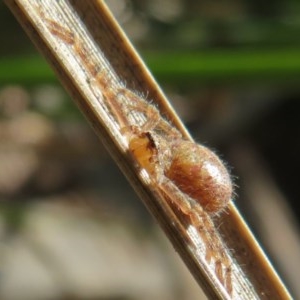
<point x="190" y="176"/>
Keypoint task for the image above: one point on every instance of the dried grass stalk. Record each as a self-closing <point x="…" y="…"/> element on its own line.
<point x="81" y="39"/>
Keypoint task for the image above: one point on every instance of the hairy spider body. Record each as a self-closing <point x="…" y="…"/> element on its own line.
<point x="193" y="168"/>
<point x="194" y="180"/>
<point x="199" y="173"/>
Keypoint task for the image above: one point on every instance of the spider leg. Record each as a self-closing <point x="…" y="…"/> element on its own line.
<point x="98" y="78"/>
<point x="215" y="249"/>
<point x="71" y="39"/>
<point x="206" y="228"/>
<point x="154" y="120"/>
<point x="112" y="93"/>
<point x="137" y="104"/>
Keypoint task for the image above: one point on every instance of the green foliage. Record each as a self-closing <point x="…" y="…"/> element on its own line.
<point x="181" y="67"/>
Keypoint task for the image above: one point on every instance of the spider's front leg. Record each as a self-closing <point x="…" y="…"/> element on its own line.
<point x="134" y="103"/>
<point x="153" y="118"/>
<point x="71" y="39"/>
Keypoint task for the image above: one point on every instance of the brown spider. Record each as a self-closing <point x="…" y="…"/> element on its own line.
<point x="189" y="175"/>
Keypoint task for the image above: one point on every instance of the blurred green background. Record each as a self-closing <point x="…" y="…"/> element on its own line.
<point x="71" y="226"/>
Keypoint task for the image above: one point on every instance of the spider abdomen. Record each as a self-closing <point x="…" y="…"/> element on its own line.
<point x="200" y="174"/>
